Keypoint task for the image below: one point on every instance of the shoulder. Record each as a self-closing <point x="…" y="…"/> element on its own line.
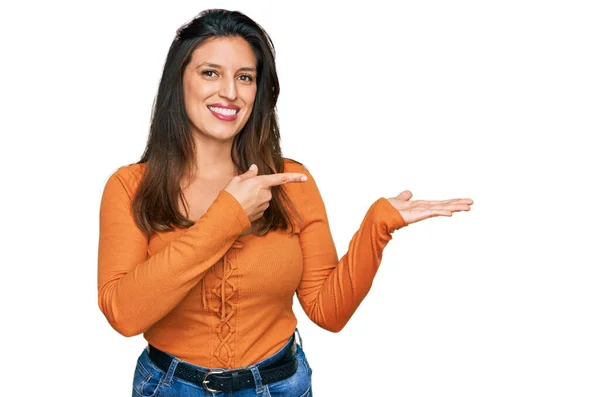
<point x="130" y="173"/>
<point x="290" y="165"/>
<point x="296" y="166"/>
<point x="306" y="189"/>
<point x="127" y="176"/>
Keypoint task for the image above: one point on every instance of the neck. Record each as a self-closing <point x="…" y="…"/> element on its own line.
<point x="213" y="160"/>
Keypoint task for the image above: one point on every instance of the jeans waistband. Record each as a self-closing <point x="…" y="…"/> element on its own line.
<point x="278" y="366"/>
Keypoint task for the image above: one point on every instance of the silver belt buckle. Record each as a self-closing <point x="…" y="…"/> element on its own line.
<point x="205" y="381"/>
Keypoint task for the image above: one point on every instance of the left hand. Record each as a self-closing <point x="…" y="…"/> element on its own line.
<point x="415" y="211"/>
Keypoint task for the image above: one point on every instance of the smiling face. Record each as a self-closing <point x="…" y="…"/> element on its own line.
<point x="219" y="87"/>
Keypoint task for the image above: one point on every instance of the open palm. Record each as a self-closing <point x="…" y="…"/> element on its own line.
<point x="417" y="210"/>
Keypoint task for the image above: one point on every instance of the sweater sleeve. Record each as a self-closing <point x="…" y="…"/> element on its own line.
<point x="135" y="291"/>
<point x="331" y="290"/>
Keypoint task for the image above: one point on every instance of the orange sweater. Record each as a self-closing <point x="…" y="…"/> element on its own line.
<point x="215" y="299"/>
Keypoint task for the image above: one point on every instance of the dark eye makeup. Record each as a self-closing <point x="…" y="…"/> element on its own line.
<point x="212" y="73"/>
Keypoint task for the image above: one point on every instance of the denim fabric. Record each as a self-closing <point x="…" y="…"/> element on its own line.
<point x="150" y="381"/>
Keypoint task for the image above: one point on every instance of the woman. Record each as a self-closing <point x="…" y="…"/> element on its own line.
<point x="205" y="240"/>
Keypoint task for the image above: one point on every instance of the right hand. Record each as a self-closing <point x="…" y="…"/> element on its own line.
<point x="253" y="191"/>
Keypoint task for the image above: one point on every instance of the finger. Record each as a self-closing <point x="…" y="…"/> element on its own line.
<point x="449" y="201"/>
<point x="459" y="201"/>
<point x="280" y="179"/>
<point x="440" y="212"/>
<point x="405" y="195"/>
<point x="433" y="212"/>
<point x="453" y="207"/>
<point x="252" y="171"/>
<point x="460" y="207"/>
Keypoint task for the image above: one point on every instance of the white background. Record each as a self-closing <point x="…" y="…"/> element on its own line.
<point x="496" y="101"/>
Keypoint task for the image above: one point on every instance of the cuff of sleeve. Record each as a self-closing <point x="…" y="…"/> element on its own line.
<point x="389" y="215"/>
<point x="235" y="207"/>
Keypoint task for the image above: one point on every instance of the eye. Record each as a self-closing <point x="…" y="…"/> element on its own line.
<point x="247" y="78"/>
<point x="209" y="73"/>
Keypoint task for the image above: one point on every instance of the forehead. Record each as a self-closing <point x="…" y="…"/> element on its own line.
<point x="228" y="52"/>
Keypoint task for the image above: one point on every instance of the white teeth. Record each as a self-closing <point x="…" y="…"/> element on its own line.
<point x="223" y="111"/>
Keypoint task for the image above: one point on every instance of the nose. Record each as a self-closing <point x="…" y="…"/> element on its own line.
<point x="228" y="89"/>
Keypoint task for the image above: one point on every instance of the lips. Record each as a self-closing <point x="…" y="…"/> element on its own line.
<point x="225" y="112"/>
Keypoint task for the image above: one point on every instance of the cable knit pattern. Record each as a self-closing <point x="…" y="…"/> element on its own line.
<point x="217" y="297"/>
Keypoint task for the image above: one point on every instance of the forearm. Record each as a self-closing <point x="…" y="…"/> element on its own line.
<point x="332" y="303"/>
<point x="134" y="294"/>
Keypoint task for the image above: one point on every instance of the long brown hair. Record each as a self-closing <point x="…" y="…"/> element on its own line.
<point x="170" y="150"/>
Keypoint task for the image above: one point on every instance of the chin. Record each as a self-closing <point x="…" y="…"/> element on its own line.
<point x="223" y="134"/>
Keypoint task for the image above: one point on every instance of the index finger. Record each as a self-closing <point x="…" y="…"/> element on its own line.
<point x="281" y="178"/>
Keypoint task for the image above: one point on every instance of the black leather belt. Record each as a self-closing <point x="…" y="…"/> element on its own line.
<point x="228" y="380"/>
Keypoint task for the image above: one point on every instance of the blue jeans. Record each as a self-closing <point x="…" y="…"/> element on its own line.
<point x="150" y="381"/>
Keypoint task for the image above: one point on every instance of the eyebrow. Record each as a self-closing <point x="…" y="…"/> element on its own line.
<point x="214" y="65"/>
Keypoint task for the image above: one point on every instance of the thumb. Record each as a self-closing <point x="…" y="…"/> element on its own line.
<point x="252" y="171"/>
<point x="404" y="196"/>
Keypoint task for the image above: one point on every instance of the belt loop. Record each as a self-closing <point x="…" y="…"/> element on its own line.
<point x="257" y="379"/>
<point x="298" y="338"/>
<point x="169" y="375"/>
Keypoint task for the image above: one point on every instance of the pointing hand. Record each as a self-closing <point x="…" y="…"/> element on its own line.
<point x="253" y="191"/>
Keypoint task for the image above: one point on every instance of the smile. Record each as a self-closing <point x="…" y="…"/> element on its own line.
<point x="226" y="114"/>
